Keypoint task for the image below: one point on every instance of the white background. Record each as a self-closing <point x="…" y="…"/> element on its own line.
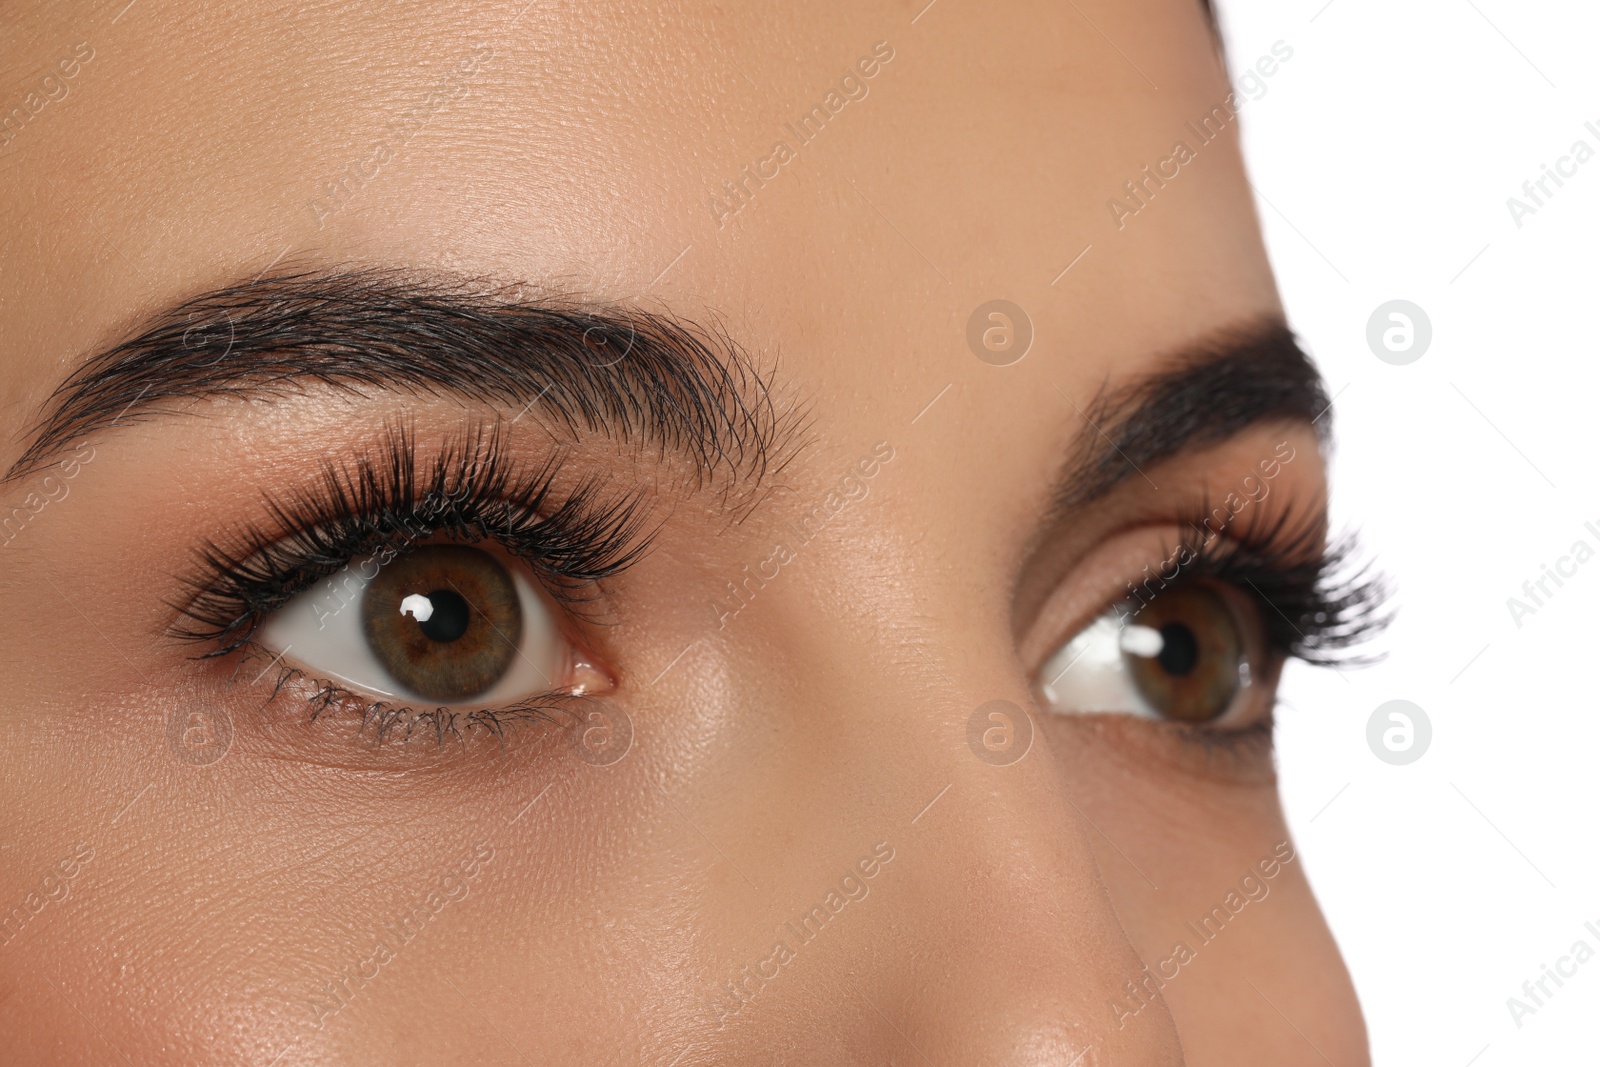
<point x="1383" y="154"/>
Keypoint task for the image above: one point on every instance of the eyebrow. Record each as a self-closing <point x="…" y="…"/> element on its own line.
<point x="1205" y="393"/>
<point x="636" y="375"/>
<point x="629" y="374"/>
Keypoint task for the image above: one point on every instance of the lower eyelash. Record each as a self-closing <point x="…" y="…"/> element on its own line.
<point x="1237" y="745"/>
<point x="388" y="722"/>
<point x="396" y="722"/>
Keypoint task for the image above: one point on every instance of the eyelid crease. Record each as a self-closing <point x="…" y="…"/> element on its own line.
<point x="473" y="490"/>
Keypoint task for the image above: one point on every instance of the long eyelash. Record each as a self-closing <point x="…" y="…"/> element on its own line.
<point x="471" y="491"/>
<point x="1318" y="601"/>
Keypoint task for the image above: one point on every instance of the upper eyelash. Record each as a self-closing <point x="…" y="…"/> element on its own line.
<point x="1318" y="601"/>
<point x="472" y="491"/>
<point x="1315" y="605"/>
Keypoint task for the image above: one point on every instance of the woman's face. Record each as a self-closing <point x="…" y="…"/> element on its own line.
<point x="596" y="578"/>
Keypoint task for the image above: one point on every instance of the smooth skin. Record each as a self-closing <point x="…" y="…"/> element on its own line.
<point x="822" y="728"/>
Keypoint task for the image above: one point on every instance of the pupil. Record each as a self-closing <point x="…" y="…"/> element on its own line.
<point x="450" y="616"/>
<point x="1179" y="649"/>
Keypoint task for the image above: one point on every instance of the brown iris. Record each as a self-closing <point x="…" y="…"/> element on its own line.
<point x="443" y="620"/>
<point x="1195" y="674"/>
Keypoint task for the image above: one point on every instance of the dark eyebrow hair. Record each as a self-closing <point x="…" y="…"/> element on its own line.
<point x="1204" y="394"/>
<point x="632" y="375"/>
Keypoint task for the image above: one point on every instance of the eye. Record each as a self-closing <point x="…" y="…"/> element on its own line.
<point x="441" y="623"/>
<point x="1191" y="655"/>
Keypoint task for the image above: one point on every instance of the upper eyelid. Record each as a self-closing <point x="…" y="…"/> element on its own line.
<point x="1315" y="577"/>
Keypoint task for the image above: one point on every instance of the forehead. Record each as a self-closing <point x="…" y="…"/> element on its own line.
<point x="841" y="185"/>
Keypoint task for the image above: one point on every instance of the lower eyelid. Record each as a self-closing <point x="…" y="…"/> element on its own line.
<point x="301" y="698"/>
<point x="1158" y="750"/>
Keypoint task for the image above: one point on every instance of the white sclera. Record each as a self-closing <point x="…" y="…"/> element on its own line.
<point x="320" y="631"/>
<point x="1089" y="673"/>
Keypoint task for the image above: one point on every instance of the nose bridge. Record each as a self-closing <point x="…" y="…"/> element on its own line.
<point x="991" y="938"/>
<point x="1002" y="945"/>
<point x="1037" y="967"/>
